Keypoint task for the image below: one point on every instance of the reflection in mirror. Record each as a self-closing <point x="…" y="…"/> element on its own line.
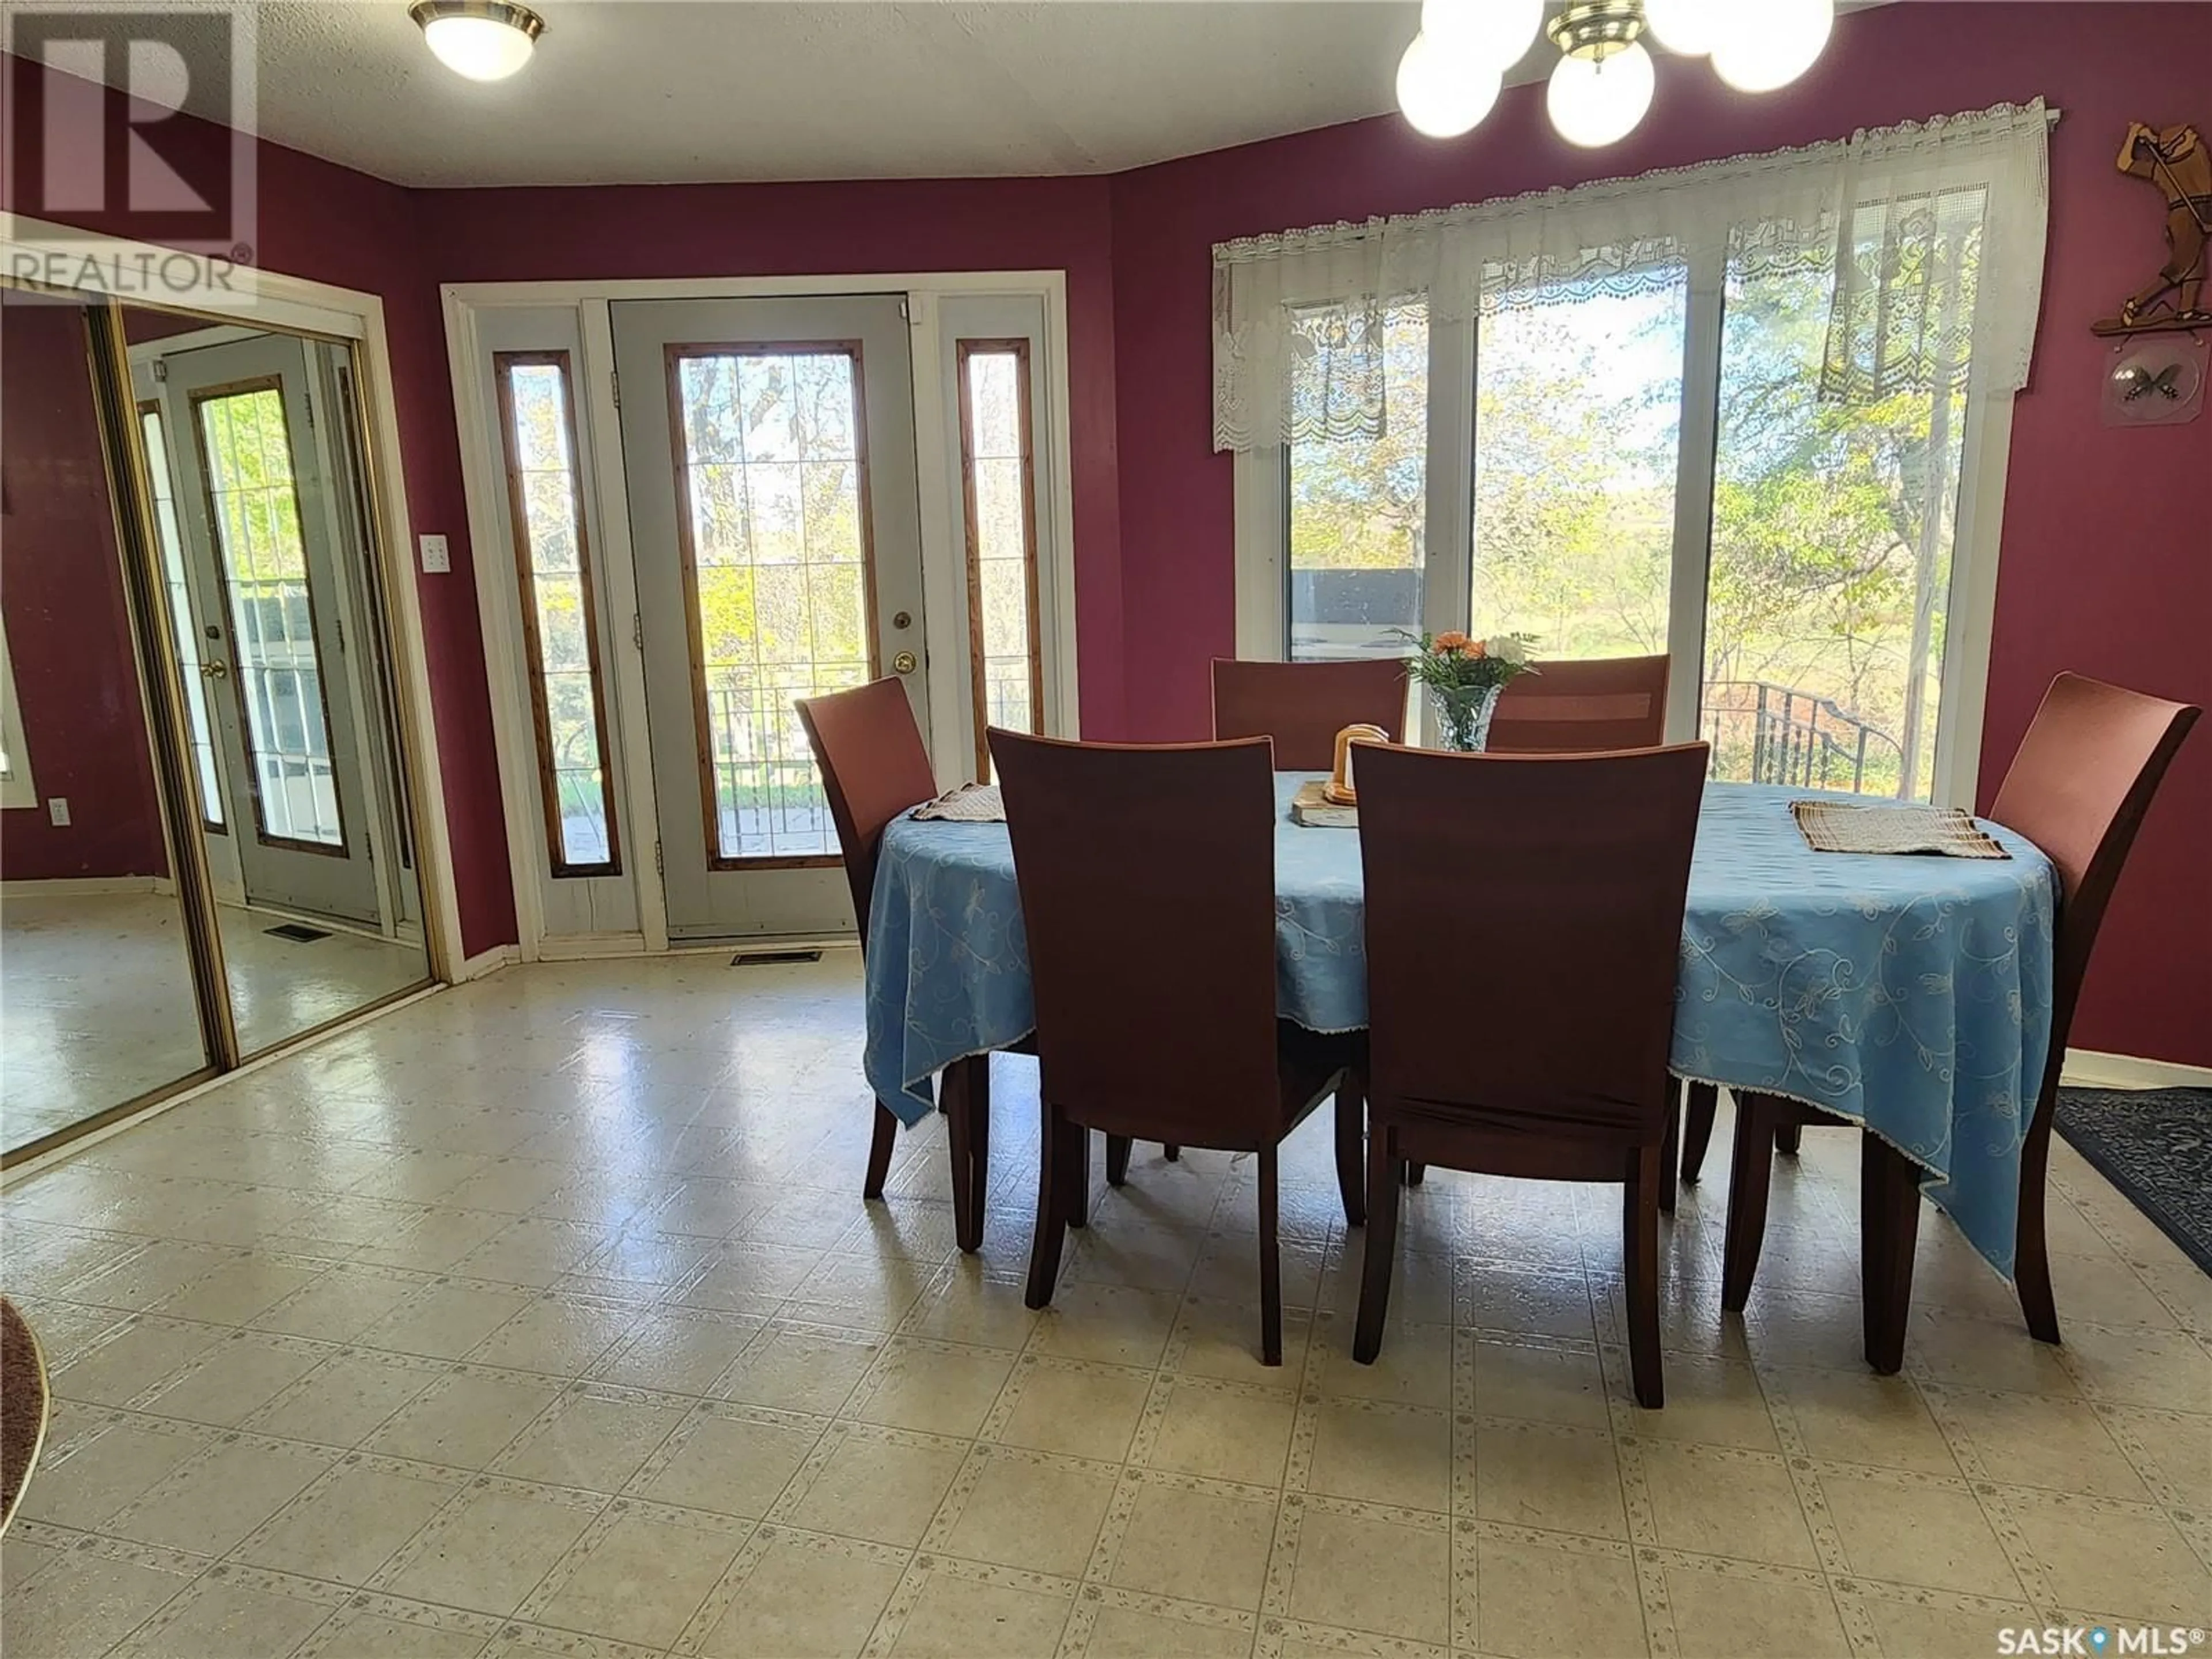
<point x="254" y="464"/>
<point x="97" y="1004"/>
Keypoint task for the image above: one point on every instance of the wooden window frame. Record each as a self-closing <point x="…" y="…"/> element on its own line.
<point x="200" y="397"/>
<point x="558" y="864"/>
<point x="1018" y="349"/>
<point x="674" y="355"/>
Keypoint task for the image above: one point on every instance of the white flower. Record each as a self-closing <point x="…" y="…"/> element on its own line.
<point x="1507" y="648"/>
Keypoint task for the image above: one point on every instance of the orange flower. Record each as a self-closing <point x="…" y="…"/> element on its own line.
<point x="1454" y="641"/>
<point x="1475" y="648"/>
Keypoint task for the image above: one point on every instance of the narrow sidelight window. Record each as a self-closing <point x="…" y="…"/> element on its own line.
<point x="999" y="486"/>
<point x="553" y="569"/>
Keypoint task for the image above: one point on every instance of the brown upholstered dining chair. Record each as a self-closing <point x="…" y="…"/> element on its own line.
<point x="1524" y="923"/>
<point x="874" y="768"/>
<point x="1302" y="706"/>
<point x="1582" y="708"/>
<point x="2078" y="787"/>
<point x="1147" y="878"/>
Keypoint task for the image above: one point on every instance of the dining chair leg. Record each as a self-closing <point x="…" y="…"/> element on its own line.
<point x="1382" y="1245"/>
<point x="1117" y="1160"/>
<point x="1701" y="1104"/>
<point x="1075" y="1176"/>
<point x="1271" y="1265"/>
<point x="965" y="1096"/>
<point x="881" y="1143"/>
<point x="1889" y="1229"/>
<point x="1414" y="1172"/>
<point x="1351" y="1143"/>
<point x="978" y="1152"/>
<point x="1750" y="1170"/>
<point x="1670" y="1150"/>
<point x="1640" y="1266"/>
<point x="1789" y="1136"/>
<point x="2031" y="1267"/>
<point x="1051" y="1214"/>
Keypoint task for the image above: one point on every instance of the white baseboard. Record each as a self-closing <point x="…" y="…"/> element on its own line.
<point x="87" y="887"/>
<point x="487" y="961"/>
<point x="588" y="947"/>
<point x="2086" y="1068"/>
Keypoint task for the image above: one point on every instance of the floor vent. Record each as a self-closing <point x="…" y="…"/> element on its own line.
<point x="298" y="932"/>
<point x="770" y="958"/>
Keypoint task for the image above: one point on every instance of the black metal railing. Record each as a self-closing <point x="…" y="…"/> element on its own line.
<point x="1762" y="732"/>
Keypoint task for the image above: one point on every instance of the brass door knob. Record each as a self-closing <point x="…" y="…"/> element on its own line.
<point x="215" y="668"/>
<point x="906" y="662"/>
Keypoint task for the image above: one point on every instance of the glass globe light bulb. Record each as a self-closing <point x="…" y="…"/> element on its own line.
<point x="1763" y="45"/>
<point x="1686" y="27"/>
<point x="1492" y="34"/>
<point x="1442" y="95"/>
<point x="1593" y="103"/>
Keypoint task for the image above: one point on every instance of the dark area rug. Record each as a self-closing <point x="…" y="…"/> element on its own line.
<point x="2155" y="1145"/>
<point x="22" y="1406"/>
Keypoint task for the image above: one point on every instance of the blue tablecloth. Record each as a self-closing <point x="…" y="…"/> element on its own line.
<point x="1909" y="994"/>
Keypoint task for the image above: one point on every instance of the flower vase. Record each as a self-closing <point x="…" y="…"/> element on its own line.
<point x="1463" y="717"/>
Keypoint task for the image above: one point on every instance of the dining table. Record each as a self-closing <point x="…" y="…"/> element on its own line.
<point x="1909" y="995"/>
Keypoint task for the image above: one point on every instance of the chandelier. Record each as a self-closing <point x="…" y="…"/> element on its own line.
<point x="1602" y="85"/>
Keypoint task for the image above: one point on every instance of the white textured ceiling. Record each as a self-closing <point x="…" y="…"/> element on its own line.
<point x="662" y="91"/>
<point x="649" y="91"/>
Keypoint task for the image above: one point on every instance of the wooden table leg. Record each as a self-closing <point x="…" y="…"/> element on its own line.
<point x="1701" y="1104"/>
<point x="1751" y="1168"/>
<point x="1889" y="1230"/>
<point x="1670" y="1149"/>
<point x="965" y="1094"/>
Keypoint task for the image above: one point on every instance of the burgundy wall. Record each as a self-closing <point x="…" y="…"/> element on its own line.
<point x="333" y="224"/>
<point x="2106" y="567"/>
<point x="2107" y="564"/>
<point x="69" y="630"/>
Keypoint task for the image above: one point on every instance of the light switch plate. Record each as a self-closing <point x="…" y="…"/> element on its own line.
<point x="437" y="559"/>
<point x="57" y="809"/>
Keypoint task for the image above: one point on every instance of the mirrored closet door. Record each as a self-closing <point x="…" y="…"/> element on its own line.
<point x="197" y="569"/>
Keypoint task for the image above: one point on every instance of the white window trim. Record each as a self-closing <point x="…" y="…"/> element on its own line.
<point x="936" y="441"/>
<point x="1261" y="501"/>
<point x="16" y="787"/>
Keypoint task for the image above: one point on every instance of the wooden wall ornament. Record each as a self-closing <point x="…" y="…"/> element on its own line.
<point x="2176" y="160"/>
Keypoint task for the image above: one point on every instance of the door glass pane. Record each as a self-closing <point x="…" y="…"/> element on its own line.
<point x="1830" y="557"/>
<point x="775" y="543"/>
<point x="1577" y="420"/>
<point x="994" y="440"/>
<point x="560" y="631"/>
<point x="163" y="487"/>
<point x="248" y="459"/>
<point x="1358" y="510"/>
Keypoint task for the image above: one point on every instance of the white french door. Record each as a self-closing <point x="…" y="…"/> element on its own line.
<point x="769" y="447"/>
<point x="275" y="717"/>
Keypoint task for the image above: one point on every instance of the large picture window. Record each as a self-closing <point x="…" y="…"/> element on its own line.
<point x="1737" y="415"/>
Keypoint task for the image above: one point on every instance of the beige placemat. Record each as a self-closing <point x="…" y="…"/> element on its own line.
<point x="1312" y="808"/>
<point x="1835" y="826"/>
<point x="971" y="803"/>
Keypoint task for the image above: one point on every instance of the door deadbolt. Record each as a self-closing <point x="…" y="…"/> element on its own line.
<point x="905" y="662"/>
<point x="902" y="619"/>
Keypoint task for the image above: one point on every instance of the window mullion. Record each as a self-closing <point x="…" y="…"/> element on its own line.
<point x="1694" y="471"/>
<point x="1448" y="532"/>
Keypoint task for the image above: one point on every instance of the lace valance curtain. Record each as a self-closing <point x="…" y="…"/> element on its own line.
<point x="1934" y="232"/>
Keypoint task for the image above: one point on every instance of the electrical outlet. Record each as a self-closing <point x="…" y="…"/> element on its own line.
<point x="437" y="559"/>
<point x="57" y="809"/>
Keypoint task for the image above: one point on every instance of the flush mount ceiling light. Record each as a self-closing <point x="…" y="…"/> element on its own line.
<point x="483" y="39"/>
<point x="1603" y="82"/>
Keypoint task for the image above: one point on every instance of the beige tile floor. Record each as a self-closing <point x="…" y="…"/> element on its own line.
<point x="544" y="1317"/>
<point x="96" y="997"/>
